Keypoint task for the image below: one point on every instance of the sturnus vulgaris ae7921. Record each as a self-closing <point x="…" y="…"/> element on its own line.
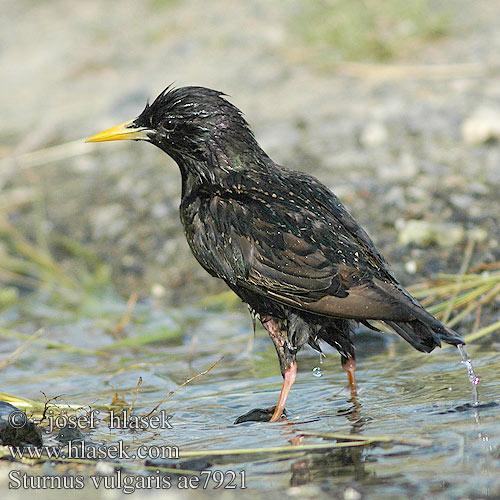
<point x="280" y="239"/>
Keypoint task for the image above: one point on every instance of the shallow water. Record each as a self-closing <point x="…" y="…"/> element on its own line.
<point x="403" y="394"/>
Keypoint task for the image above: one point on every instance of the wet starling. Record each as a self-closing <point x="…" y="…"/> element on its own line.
<point x="280" y="239"/>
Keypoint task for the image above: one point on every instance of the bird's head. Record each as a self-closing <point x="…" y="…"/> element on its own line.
<point x="188" y="123"/>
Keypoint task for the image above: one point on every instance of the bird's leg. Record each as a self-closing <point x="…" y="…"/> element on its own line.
<point x="288" y="380"/>
<point x="288" y="364"/>
<point x="288" y="367"/>
<point x="349" y="366"/>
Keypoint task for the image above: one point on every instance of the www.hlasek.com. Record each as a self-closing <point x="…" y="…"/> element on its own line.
<point x="90" y="451"/>
<point x="204" y="479"/>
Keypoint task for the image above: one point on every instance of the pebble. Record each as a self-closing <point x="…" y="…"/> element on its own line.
<point x="424" y="233"/>
<point x="478" y="234"/>
<point x="411" y="267"/>
<point x="374" y="134"/>
<point x="104" y="468"/>
<point x="482" y="126"/>
<point x="352" y="494"/>
<point x="158" y="291"/>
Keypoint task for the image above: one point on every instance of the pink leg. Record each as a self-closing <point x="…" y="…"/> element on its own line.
<point x="288" y="364"/>
<point x="349" y="367"/>
<point x="288" y="380"/>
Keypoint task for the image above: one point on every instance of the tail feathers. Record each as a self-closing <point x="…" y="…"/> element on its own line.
<point x="422" y="330"/>
<point x="423" y="336"/>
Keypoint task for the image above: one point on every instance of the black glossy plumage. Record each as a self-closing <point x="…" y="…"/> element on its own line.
<point x="280" y="239"/>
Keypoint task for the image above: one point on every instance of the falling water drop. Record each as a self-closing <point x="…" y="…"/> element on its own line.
<point x="473" y="378"/>
<point x="317" y="371"/>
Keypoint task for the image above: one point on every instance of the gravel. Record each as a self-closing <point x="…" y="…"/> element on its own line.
<point x="413" y="141"/>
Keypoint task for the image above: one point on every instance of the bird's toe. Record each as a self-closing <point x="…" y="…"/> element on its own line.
<point x="258" y="415"/>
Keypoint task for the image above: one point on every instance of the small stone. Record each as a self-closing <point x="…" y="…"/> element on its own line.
<point x="351" y="494"/>
<point x="304" y="491"/>
<point x="423" y="233"/>
<point x="158" y="291"/>
<point x="374" y="134"/>
<point x="411" y="267"/>
<point x="104" y="468"/>
<point x="16" y="428"/>
<point x="478" y="234"/>
<point x="482" y="126"/>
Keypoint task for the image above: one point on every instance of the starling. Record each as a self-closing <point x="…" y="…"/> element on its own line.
<point x="280" y="239"/>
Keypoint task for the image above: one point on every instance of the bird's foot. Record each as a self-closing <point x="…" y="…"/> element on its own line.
<point x="258" y="415"/>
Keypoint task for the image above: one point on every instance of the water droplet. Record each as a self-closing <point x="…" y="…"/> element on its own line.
<point x="317" y="371"/>
<point x="473" y="378"/>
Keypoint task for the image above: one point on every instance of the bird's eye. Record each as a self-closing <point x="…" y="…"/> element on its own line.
<point x="169" y="126"/>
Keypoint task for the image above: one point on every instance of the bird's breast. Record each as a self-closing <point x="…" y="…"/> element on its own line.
<point x="207" y="224"/>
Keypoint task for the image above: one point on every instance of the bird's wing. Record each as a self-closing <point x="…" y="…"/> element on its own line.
<point x="304" y="255"/>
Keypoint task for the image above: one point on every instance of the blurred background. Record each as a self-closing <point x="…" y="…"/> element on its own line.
<point x="393" y="105"/>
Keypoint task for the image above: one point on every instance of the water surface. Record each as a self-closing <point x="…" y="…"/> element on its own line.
<point x="403" y="394"/>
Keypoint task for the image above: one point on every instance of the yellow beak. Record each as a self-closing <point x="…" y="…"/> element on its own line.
<point x="122" y="132"/>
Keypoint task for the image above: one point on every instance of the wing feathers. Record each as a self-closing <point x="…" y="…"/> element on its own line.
<point x="311" y="256"/>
